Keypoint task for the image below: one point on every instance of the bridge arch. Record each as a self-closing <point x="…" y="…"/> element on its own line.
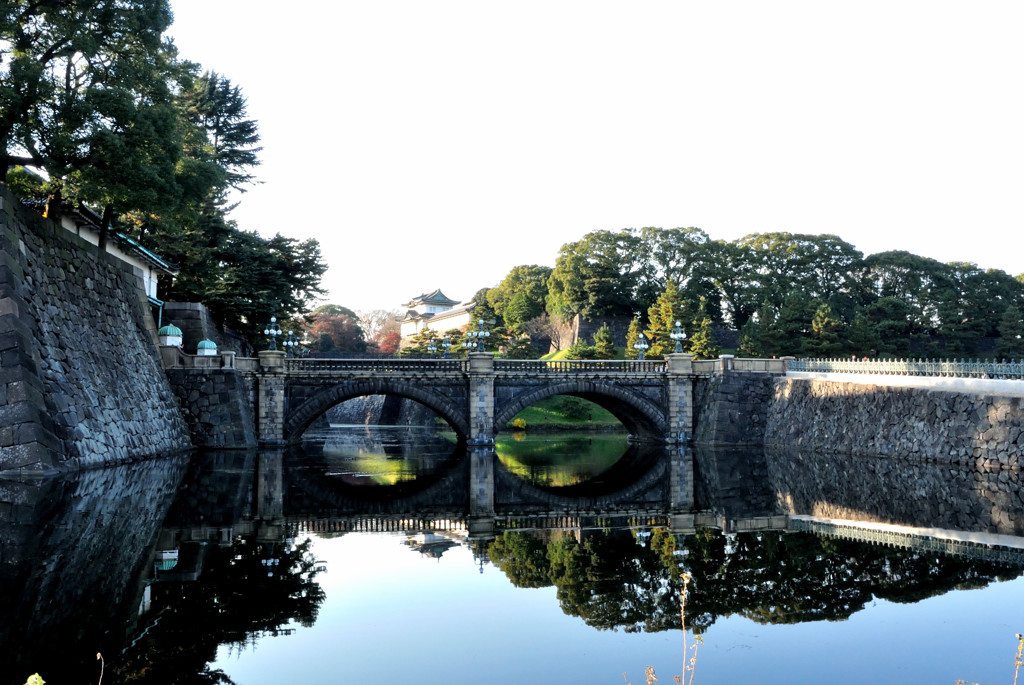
<point x="643" y="418"/>
<point x="300" y="418"/>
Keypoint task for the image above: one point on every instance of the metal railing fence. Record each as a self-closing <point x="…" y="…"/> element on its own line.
<point x="384" y="365"/>
<point x="579" y="366"/>
<point x="953" y="368"/>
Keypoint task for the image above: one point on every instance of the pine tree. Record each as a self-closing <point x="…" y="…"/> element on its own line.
<point x="793" y="325"/>
<point x="863" y="339"/>
<point x="521" y="348"/>
<point x="663" y="315"/>
<point x="1010" y="344"/>
<point x="765" y="332"/>
<point x="632" y="336"/>
<point x="750" y="345"/>
<point x="604" y="346"/>
<point x="702" y="344"/>
<point x="825" y="328"/>
<point x="419" y="343"/>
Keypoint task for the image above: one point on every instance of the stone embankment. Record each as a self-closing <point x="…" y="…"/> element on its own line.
<point x="731" y="408"/>
<point x="217" y="405"/>
<point x="917" y="423"/>
<point x="82" y="383"/>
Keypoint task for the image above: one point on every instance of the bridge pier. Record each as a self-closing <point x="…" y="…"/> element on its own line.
<point x="271" y="383"/>
<point x="679" y="411"/>
<point x="481" y="398"/>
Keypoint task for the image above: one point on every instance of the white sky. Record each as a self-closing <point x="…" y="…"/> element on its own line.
<point x="438" y="144"/>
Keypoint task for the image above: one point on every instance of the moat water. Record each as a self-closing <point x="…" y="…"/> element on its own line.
<point x="392" y="555"/>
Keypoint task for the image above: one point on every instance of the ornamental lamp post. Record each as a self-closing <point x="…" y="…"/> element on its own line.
<point x="291" y="343"/>
<point x="432" y="348"/>
<point x="477" y="337"/>
<point x="446" y="345"/>
<point x="272" y="331"/>
<point x="679" y="335"/>
<point x="641" y="345"/>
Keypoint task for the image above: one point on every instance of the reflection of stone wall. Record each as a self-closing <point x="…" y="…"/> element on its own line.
<point x="83" y="380"/>
<point x="72" y="562"/>
<point x="925" y="425"/>
<point x="732" y="481"/>
<point x="897" y="491"/>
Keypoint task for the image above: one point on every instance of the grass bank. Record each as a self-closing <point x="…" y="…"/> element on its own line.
<point x="565" y="413"/>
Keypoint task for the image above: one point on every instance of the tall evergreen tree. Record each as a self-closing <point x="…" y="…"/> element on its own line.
<point x="1010" y="344"/>
<point x="702" y="344"/>
<point x="662" y="316"/>
<point x="750" y="345"/>
<point x="632" y="336"/>
<point x="864" y="341"/>
<point x="219" y="110"/>
<point x="793" y="325"/>
<point x="604" y="346"/>
<point x="824" y="340"/>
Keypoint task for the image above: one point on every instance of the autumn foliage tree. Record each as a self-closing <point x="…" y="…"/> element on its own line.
<point x="336" y="332"/>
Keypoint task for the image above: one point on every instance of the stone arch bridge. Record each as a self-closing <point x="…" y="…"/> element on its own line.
<point x="476" y="396"/>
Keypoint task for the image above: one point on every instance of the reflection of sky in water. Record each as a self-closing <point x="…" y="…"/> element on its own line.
<point x="393" y="615"/>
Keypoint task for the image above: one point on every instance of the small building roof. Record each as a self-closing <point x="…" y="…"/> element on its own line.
<point x="82" y="215"/>
<point x="437" y="297"/>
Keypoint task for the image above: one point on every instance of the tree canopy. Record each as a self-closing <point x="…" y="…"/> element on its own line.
<point x="95" y="97"/>
<point x="786" y="293"/>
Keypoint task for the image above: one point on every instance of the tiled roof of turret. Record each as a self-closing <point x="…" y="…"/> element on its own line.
<point x="436" y="297"/>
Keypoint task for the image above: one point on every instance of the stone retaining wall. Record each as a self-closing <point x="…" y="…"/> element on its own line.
<point x="731" y="408"/>
<point x="926" y="425"/>
<point x="80" y="378"/>
<point x="217" y="404"/>
<point x="196" y="324"/>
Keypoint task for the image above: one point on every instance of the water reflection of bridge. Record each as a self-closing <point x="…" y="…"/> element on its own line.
<point x="678" y="488"/>
<point x="989" y="548"/>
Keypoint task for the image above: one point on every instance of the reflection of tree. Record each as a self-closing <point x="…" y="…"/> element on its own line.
<point x="522" y="557"/>
<point x="776" y="577"/>
<point x="617" y="579"/>
<point x="246" y="591"/>
<point x="593" y="575"/>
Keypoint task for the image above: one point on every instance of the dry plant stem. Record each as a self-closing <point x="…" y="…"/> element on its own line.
<point x="1017" y="662"/>
<point x="691" y="663"/>
<point x="682" y="617"/>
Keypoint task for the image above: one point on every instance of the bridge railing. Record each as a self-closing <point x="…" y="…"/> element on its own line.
<point x="962" y="368"/>
<point x="374" y="365"/>
<point x="578" y="366"/>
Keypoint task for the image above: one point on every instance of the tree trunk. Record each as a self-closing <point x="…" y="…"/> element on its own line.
<point x="54" y="206"/>
<point x="108" y="217"/>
